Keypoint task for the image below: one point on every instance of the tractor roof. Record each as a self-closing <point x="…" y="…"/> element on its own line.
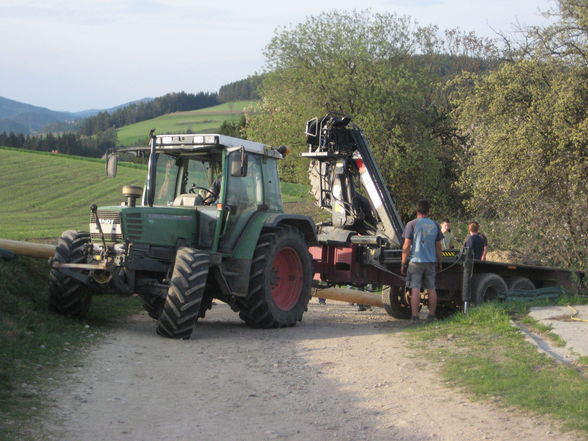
<point x="195" y="142"/>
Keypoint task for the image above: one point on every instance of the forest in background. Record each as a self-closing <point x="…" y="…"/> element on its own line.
<point x="94" y="135"/>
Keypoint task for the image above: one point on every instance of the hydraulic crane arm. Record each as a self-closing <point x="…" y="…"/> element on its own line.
<point x="340" y="157"/>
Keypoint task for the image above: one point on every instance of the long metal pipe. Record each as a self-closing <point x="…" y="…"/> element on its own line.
<point x="30" y="249"/>
<point x="350" y="296"/>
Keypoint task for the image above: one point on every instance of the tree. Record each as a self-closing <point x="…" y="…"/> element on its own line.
<point x="136" y="112"/>
<point x="234" y="128"/>
<point x="379" y="68"/>
<point x="240" y="90"/>
<point x="565" y="40"/>
<point x="526" y="156"/>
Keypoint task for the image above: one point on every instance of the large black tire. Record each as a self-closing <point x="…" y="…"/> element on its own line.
<point x="153" y="305"/>
<point x="520" y="283"/>
<point x="487" y="287"/>
<point x="68" y="296"/>
<point x="184" y="296"/>
<point x="279" y="281"/>
<point x="396" y="303"/>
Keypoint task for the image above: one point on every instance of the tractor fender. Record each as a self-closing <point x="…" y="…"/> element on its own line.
<point x="236" y="268"/>
<point x="304" y="224"/>
<point x="245" y="247"/>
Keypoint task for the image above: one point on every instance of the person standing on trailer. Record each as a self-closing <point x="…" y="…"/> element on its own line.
<point x="421" y="256"/>
<point x="476" y="241"/>
<point x="448" y="239"/>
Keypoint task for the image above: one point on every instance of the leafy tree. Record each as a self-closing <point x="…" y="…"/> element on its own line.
<point x="381" y="69"/>
<point x="564" y="40"/>
<point x="234" y="128"/>
<point x="526" y="156"/>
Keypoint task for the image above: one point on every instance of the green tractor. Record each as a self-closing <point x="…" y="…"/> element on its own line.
<point x="208" y="224"/>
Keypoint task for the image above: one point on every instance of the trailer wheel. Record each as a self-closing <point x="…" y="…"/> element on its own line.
<point x="487" y="287"/>
<point x="185" y="293"/>
<point x="396" y="300"/>
<point x="279" y="281"/>
<point x="520" y="283"/>
<point x="68" y="296"/>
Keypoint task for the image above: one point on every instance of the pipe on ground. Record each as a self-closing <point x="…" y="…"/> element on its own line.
<point x="30" y="249"/>
<point x="350" y="296"/>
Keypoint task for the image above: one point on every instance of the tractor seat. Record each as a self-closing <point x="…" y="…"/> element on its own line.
<point x="188" y="200"/>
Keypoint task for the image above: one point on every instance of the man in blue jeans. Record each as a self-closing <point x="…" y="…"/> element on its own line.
<point x="421" y="257"/>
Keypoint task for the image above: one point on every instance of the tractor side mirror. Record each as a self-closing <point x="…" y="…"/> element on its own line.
<point x="238" y="163"/>
<point x="111" y="164"/>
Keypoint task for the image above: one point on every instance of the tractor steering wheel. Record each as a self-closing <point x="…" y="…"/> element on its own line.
<point x="212" y="195"/>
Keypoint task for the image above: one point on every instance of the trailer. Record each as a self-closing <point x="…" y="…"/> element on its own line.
<point x="362" y="243"/>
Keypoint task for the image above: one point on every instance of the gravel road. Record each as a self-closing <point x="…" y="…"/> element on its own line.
<point x="339" y="375"/>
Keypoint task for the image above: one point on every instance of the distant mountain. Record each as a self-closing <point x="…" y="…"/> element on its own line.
<point x="92" y="112"/>
<point x="28" y="119"/>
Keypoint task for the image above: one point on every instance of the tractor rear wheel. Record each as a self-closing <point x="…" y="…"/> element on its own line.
<point x="279" y="282"/>
<point x="184" y="296"/>
<point x="68" y="296"/>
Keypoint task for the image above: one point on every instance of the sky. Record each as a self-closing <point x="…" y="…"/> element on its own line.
<point x="74" y="55"/>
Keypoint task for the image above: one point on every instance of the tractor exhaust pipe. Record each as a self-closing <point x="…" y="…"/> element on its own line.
<point x="132" y="192"/>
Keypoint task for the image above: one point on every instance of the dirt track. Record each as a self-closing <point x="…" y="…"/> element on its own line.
<point x="339" y="375"/>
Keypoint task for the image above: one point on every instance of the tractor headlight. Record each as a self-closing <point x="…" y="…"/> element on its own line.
<point x="205" y="139"/>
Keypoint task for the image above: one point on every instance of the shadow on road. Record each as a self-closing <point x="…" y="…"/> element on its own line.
<point x="229" y="382"/>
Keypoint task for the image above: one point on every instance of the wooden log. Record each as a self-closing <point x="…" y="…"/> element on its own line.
<point x="349" y="296"/>
<point x="30" y="249"/>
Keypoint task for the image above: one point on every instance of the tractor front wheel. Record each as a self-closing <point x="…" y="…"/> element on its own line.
<point x="279" y="282"/>
<point x="68" y="296"/>
<point x="184" y="296"/>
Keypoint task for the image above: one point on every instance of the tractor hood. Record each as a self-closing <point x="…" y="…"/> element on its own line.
<point x="162" y="226"/>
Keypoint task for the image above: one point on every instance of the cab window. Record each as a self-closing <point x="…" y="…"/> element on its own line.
<point x="165" y="180"/>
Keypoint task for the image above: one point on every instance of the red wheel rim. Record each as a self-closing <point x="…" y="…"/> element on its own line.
<point x="286" y="279"/>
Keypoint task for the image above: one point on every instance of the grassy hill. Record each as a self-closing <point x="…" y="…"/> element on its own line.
<point x="197" y="121"/>
<point x="45" y="194"/>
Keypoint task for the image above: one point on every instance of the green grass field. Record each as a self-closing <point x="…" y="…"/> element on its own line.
<point x="197" y="121"/>
<point x="44" y="194"/>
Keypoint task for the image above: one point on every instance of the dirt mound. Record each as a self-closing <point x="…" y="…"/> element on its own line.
<point x="508" y="256"/>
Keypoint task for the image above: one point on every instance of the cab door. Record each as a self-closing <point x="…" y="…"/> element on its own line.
<point x="243" y="198"/>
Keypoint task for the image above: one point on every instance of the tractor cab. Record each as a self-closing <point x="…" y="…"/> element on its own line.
<point x="200" y="189"/>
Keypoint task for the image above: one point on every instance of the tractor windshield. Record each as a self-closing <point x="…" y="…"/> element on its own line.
<point x="179" y="176"/>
